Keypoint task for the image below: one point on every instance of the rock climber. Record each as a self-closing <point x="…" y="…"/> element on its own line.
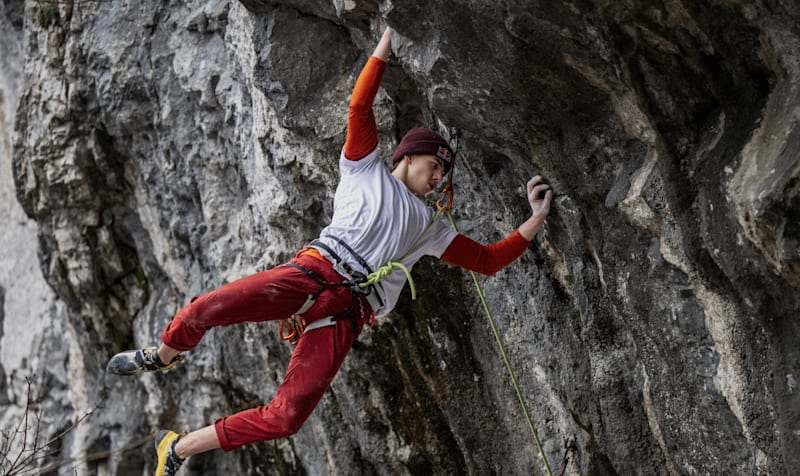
<point x="379" y="217"/>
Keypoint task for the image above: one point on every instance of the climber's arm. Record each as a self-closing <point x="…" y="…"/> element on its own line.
<point x="489" y="259"/>
<point x="485" y="259"/>
<point x="362" y="131"/>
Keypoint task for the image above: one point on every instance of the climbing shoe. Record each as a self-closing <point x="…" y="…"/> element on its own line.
<point x="133" y="362"/>
<point x="168" y="461"/>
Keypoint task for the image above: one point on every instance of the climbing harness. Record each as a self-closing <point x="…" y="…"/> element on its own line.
<point x="292" y="328"/>
<point x="446" y="208"/>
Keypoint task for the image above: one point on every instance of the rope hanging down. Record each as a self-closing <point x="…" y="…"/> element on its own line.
<point x="506" y="360"/>
<point x="448" y="190"/>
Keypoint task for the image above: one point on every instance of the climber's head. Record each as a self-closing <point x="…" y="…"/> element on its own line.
<point x="421" y="160"/>
<point x="421" y="141"/>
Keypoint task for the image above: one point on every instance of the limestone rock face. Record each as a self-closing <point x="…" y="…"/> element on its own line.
<point x="161" y="149"/>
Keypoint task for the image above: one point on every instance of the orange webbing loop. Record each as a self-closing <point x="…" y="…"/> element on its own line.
<point x="448" y="189"/>
<point x="296" y="330"/>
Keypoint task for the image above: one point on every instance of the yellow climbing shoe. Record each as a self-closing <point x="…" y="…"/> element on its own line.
<point x="168" y="461"/>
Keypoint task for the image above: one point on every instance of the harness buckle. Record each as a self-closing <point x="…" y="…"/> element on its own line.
<point x="357" y="279"/>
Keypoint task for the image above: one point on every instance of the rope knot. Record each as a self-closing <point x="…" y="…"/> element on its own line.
<point x="386" y="270"/>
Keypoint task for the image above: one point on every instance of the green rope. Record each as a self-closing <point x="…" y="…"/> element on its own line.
<point x="507" y="361"/>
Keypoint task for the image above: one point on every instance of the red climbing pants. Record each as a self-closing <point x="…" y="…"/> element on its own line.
<point x="273" y="295"/>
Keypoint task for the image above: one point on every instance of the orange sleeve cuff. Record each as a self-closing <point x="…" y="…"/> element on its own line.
<point x="362" y="131"/>
<point x="485" y="259"/>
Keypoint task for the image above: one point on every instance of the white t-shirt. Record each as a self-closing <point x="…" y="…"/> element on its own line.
<point x="380" y="219"/>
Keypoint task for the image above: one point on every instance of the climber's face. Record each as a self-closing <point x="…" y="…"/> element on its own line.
<point x="423" y="173"/>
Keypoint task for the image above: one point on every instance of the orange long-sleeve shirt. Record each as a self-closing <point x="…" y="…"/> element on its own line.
<point x="362" y="132"/>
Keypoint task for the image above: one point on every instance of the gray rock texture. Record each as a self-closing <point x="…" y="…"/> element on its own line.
<point x="161" y="149"/>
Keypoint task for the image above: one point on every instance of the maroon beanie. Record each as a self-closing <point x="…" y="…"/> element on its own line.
<point x="424" y="141"/>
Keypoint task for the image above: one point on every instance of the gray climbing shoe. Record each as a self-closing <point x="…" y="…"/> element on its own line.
<point x="134" y="362"/>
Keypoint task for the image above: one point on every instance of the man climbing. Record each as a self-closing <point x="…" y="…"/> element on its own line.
<point x="378" y="218"/>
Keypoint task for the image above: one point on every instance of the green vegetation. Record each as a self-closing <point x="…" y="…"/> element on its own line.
<point x="46" y="14"/>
